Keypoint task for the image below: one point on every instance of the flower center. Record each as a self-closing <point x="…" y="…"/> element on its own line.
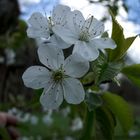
<point x="58" y="75"/>
<point x="84" y="36"/>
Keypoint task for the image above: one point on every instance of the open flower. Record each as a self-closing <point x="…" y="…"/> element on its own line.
<point x="58" y="78"/>
<point x="83" y="34"/>
<point x="40" y="27"/>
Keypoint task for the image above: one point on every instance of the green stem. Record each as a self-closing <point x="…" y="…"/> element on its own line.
<point x="88" y="126"/>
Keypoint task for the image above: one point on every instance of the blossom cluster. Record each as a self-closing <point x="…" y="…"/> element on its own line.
<point x="59" y="77"/>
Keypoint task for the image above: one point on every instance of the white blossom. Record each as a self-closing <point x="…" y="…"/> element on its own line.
<point x="77" y="124"/>
<point x="83" y="34"/>
<point x="58" y="78"/>
<point x="40" y="27"/>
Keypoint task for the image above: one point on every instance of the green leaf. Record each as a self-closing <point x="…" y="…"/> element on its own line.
<point x="105" y="124"/>
<point x="133" y="73"/>
<point x="105" y="71"/>
<point x="120" y="109"/>
<point x="122" y="43"/>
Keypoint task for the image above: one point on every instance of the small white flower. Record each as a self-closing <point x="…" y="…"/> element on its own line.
<point x="82" y="33"/>
<point x="40" y="27"/>
<point x="59" y="78"/>
<point x="77" y="124"/>
<point x="47" y="119"/>
<point x="10" y="56"/>
<point x="34" y="119"/>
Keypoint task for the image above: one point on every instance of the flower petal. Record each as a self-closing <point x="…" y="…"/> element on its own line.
<point x="75" y="21"/>
<point x="51" y="56"/>
<point x="103" y="43"/>
<point x="40" y="41"/>
<point x="95" y="27"/>
<point x="36" y="33"/>
<point x="59" y="14"/>
<point x="59" y="42"/>
<point x="37" y="19"/>
<point x="86" y="50"/>
<point x="76" y="66"/>
<point x="52" y="97"/>
<point x="73" y="91"/>
<point x="36" y="77"/>
<point x="66" y="34"/>
<point x="38" y="26"/>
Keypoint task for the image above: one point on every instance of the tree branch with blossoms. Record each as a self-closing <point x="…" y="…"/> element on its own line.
<point x="94" y="59"/>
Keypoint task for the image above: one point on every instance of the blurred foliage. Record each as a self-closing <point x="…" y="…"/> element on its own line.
<point x="133" y="73"/>
<point x="14" y="39"/>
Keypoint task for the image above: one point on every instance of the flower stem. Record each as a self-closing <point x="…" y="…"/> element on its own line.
<point x="88" y="126"/>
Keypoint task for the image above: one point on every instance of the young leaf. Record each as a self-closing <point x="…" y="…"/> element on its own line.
<point x="120" y="109"/>
<point x="104" y="70"/>
<point x="133" y="73"/>
<point x="122" y="43"/>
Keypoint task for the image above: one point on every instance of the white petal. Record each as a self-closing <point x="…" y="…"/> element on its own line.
<point x="38" y="26"/>
<point x="59" y="14"/>
<point x="59" y="42"/>
<point x="76" y="66"/>
<point x="52" y="97"/>
<point x="51" y="56"/>
<point x="95" y="27"/>
<point x="75" y="21"/>
<point x="37" y="19"/>
<point x="86" y="50"/>
<point x="36" y="77"/>
<point x="73" y="91"/>
<point x="66" y="34"/>
<point x="35" y="33"/>
<point x="41" y="41"/>
<point x="103" y="43"/>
